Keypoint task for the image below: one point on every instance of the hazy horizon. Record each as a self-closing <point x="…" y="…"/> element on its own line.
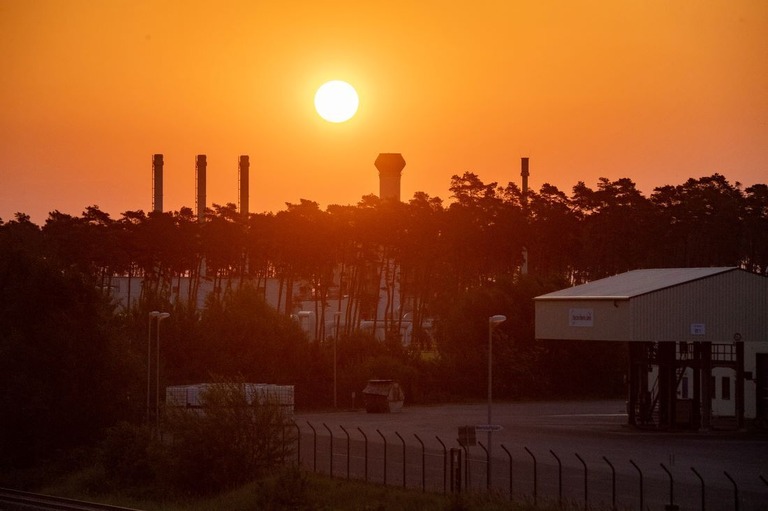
<point x="652" y="91"/>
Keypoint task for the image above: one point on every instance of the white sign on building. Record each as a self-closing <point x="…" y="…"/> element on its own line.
<point x="581" y="317"/>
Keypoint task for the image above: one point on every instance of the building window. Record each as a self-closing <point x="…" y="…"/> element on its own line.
<point x="726" y="388"/>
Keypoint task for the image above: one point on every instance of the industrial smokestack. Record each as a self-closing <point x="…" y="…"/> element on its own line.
<point x="157" y="183"/>
<point x="390" y="166"/>
<point x="524" y="173"/>
<point x="201" y="165"/>
<point x="244" y="168"/>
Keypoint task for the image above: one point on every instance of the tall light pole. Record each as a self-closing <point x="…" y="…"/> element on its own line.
<point x="152" y="315"/>
<point x="335" y="340"/>
<point x="493" y="322"/>
<point x="160" y="317"/>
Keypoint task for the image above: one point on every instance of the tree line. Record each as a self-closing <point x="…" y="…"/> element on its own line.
<point x="67" y="346"/>
<point x="422" y="249"/>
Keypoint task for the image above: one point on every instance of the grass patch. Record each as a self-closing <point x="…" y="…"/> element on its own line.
<point x="285" y="489"/>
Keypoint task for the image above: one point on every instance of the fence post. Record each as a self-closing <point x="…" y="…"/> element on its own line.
<point x="445" y="462"/>
<point x="423" y="465"/>
<point x="671" y="488"/>
<point x="314" y="447"/>
<point x="559" y="479"/>
<point x="346" y="433"/>
<point x="509" y="454"/>
<point x="735" y="491"/>
<point x="366" y="452"/>
<point x="403" y="441"/>
<point x="613" y="484"/>
<point x="467" y="480"/>
<point x="385" y="455"/>
<point x="487" y="465"/>
<point x="455" y="470"/>
<point x="535" y="481"/>
<point x="331" y="456"/>
<point x="298" y="444"/>
<point x="586" y="495"/>
<point x="701" y="479"/>
<point x="641" y="482"/>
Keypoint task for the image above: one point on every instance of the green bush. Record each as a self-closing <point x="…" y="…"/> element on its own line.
<point x="290" y="489"/>
<point x="229" y="441"/>
<point x="130" y="456"/>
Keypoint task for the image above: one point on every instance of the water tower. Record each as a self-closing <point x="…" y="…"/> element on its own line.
<point x="390" y="166"/>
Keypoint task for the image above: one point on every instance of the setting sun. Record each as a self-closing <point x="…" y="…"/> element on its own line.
<point x="681" y="91"/>
<point x="336" y="101"/>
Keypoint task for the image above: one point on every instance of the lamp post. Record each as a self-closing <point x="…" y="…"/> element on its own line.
<point x="152" y="315"/>
<point x="335" y="339"/>
<point x="493" y="322"/>
<point x="160" y="317"/>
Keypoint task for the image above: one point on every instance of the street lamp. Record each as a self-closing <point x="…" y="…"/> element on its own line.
<point x="337" y="314"/>
<point x="152" y="315"/>
<point x="160" y="317"/>
<point x="493" y="322"/>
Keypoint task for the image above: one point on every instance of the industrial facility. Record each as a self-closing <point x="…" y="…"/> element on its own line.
<point x="697" y="339"/>
<point x="126" y="291"/>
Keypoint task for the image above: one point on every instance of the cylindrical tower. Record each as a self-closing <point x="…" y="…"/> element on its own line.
<point x="157" y="183"/>
<point x="390" y="166"/>
<point x="201" y="164"/>
<point x="244" y="168"/>
<point x="524" y="173"/>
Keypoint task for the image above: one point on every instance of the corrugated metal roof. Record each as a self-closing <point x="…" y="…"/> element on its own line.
<point x="633" y="283"/>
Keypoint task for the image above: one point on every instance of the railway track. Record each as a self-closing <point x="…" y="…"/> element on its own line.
<point x="13" y="500"/>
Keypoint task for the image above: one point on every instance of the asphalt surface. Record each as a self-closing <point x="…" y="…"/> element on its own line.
<point x="560" y="451"/>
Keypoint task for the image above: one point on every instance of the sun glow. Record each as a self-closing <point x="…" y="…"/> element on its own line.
<point x="336" y="101"/>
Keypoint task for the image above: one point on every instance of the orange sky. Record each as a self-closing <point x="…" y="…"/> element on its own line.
<point x="657" y="91"/>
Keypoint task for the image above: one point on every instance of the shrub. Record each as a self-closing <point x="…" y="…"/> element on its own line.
<point x="290" y="489"/>
<point x="130" y="456"/>
<point x="229" y="441"/>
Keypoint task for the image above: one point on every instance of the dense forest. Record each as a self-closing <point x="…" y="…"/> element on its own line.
<point x="73" y="362"/>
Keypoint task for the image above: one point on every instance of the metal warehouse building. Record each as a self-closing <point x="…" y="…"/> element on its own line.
<point x="698" y="340"/>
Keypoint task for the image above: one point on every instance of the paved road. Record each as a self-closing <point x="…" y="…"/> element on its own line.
<point x="596" y="430"/>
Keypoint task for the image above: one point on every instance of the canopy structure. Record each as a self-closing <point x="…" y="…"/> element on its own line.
<point x="688" y="329"/>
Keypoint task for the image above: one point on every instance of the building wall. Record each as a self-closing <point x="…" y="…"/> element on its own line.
<point x="750" y="367"/>
<point x="589" y="320"/>
<point x="712" y="309"/>
<point x="178" y="290"/>
<point x="306" y="313"/>
<point x="724" y="394"/>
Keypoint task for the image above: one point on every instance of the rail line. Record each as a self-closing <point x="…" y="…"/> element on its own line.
<point x="12" y="500"/>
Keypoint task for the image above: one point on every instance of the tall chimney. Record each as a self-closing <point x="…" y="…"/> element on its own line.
<point x="200" y="167"/>
<point x="390" y="165"/>
<point x="524" y="173"/>
<point x="157" y="183"/>
<point x="244" y="167"/>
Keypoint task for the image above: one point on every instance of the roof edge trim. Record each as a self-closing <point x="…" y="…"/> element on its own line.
<point x="577" y="298"/>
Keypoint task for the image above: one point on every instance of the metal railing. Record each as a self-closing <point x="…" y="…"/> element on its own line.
<point x="588" y="481"/>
